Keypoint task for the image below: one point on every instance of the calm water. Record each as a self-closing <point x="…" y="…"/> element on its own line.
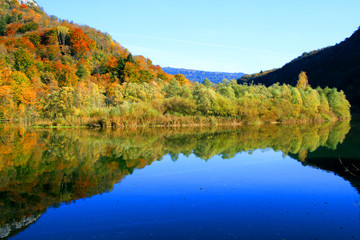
<point x="259" y="182"/>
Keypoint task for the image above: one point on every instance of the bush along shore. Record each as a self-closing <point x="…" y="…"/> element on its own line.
<point x="172" y="104"/>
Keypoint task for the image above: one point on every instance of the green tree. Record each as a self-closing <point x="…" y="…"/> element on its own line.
<point x="62" y="32"/>
<point x="178" y="105"/>
<point x="82" y="71"/>
<point x="145" y="75"/>
<point x="3" y="22"/>
<point x="186" y="92"/>
<point x="338" y="103"/>
<point x="205" y="98"/>
<point x="172" y="89"/>
<point x="226" y="90"/>
<point x="130" y="58"/>
<point x="118" y="96"/>
<point x="207" y="83"/>
<point x="31" y="26"/>
<point x="311" y="100"/>
<point x="23" y="59"/>
<point x="120" y="68"/>
<point x="296" y="96"/>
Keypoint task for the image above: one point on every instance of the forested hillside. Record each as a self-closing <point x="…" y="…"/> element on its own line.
<point x="337" y="66"/>
<point x="200" y="76"/>
<point x="40" y="55"/>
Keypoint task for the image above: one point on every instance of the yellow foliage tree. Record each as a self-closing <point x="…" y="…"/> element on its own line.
<point x="303" y="81"/>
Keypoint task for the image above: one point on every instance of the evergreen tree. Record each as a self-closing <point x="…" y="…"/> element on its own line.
<point x="120" y="68"/>
<point x="3" y="23"/>
<point x="130" y="58"/>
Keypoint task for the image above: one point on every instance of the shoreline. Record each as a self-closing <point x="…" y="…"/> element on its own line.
<point x="160" y="122"/>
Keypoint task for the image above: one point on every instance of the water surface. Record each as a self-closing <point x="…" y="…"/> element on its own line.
<point x="253" y="182"/>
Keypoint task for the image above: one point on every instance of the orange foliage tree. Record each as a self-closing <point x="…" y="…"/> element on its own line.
<point x="65" y="75"/>
<point x="81" y="43"/>
<point x="6" y="102"/>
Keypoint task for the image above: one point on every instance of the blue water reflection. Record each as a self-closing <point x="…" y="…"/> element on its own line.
<point x="261" y="195"/>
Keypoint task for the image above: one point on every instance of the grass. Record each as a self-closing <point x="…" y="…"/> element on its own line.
<point x="107" y="121"/>
<point x="153" y="114"/>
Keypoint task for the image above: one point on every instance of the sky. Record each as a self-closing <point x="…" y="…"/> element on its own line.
<point x="212" y="35"/>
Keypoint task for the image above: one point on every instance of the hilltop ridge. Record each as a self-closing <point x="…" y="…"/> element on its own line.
<point x="200" y="76"/>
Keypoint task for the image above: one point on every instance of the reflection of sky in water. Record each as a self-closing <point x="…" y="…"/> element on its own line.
<point x="257" y="196"/>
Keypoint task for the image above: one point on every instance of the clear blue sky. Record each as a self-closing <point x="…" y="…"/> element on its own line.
<point x="213" y="35"/>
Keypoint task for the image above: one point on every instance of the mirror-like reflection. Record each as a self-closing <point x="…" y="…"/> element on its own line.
<point x="44" y="168"/>
<point x="343" y="160"/>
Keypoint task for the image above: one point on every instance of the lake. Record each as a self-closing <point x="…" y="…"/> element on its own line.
<point x="249" y="182"/>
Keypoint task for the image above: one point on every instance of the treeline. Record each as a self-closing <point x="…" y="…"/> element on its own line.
<point x="336" y="66"/>
<point x="169" y="104"/>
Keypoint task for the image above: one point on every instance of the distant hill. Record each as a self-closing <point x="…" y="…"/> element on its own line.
<point x="337" y="66"/>
<point x="199" y="76"/>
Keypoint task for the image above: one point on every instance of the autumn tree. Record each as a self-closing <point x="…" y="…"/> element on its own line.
<point x="303" y="81"/>
<point x="60" y="103"/>
<point x="6" y="102"/>
<point x="81" y="43"/>
<point x="19" y="84"/>
<point x="12" y="28"/>
<point x="181" y="79"/>
<point x="115" y="96"/>
<point x="162" y="75"/>
<point x="65" y="75"/>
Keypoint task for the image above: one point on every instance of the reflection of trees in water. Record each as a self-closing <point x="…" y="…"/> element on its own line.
<point x="13" y="228"/>
<point x="348" y="169"/>
<point x="44" y="168"/>
<point x="343" y="161"/>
